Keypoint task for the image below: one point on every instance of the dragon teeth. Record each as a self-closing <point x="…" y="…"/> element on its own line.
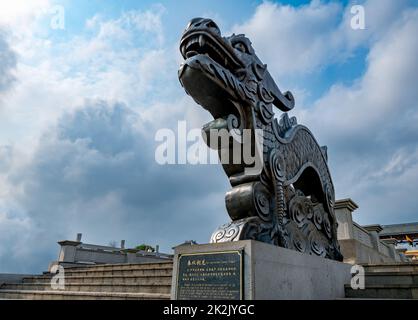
<point x="201" y="41"/>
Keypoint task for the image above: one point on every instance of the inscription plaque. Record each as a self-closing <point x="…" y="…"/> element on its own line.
<point x="210" y="276"/>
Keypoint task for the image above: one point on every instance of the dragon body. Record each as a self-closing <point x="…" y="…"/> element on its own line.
<point x="289" y="202"/>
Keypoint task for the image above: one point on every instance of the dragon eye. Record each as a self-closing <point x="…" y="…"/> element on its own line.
<point x="241" y="47"/>
<point x="212" y="24"/>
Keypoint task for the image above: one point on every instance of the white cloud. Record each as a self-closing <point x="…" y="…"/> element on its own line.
<point x="20" y="11"/>
<point x="380" y="15"/>
<point x="117" y="61"/>
<point x="384" y="93"/>
<point x="9" y="226"/>
<point x="130" y="24"/>
<point x="7" y="63"/>
<point x="371" y="129"/>
<point x="293" y="39"/>
<point x="120" y="59"/>
<point x="308" y="37"/>
<point x="94" y="173"/>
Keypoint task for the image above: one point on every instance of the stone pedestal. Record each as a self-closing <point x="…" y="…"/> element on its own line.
<point x="344" y="213"/>
<point x="374" y="230"/>
<point x="68" y="250"/>
<point x="271" y="272"/>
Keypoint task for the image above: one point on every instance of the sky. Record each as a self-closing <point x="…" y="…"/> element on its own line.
<point x="81" y="102"/>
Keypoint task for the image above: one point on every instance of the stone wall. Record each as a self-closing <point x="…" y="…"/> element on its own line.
<point x="78" y="254"/>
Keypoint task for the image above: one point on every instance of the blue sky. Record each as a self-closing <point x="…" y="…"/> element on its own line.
<point x="79" y="109"/>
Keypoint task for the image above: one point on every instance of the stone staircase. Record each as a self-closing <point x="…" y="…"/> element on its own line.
<point x="388" y="281"/>
<point x="153" y="281"/>
<point x="112" y="281"/>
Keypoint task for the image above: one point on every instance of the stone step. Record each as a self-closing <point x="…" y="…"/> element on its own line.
<point x="164" y="269"/>
<point x="113" y="280"/>
<point x="110" y="281"/>
<point x="124" y="266"/>
<point x="120" y="273"/>
<point x="138" y="273"/>
<point x="79" y="295"/>
<point x="391" y="278"/>
<point x="392" y="267"/>
<point x="399" y="291"/>
<point x="91" y="287"/>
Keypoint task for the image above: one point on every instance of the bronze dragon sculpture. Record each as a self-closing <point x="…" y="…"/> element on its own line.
<point x="290" y="202"/>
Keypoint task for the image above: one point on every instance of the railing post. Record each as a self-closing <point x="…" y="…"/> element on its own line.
<point x="374" y="230"/>
<point x="68" y="250"/>
<point x="344" y="214"/>
<point x="391" y="242"/>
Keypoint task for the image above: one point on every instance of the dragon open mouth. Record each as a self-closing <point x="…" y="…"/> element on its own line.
<point x="220" y="71"/>
<point x="203" y="42"/>
<point x="211" y="71"/>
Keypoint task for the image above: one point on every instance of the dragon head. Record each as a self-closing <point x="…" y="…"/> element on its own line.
<point x="219" y="72"/>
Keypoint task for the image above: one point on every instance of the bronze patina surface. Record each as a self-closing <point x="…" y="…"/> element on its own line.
<point x="290" y="202"/>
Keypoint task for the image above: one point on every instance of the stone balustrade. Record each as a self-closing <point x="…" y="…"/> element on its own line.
<point x="78" y="254"/>
<point x="361" y="244"/>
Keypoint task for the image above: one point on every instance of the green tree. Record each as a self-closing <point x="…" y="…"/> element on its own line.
<point x="145" y="247"/>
